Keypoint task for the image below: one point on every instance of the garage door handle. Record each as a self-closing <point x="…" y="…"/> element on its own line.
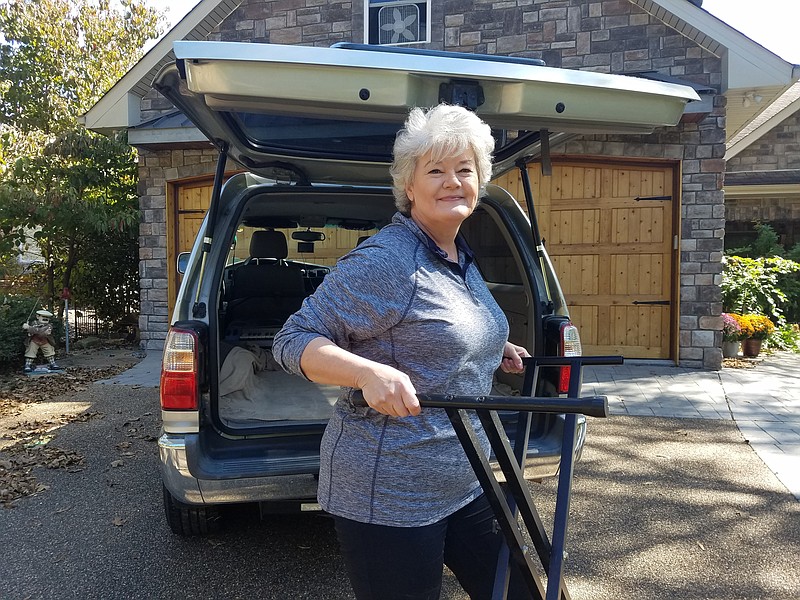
<point x="660" y="302"/>
<point x="652" y="198"/>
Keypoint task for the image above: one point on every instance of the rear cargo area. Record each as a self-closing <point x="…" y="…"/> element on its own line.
<point x="254" y="390"/>
<point x="280" y="253"/>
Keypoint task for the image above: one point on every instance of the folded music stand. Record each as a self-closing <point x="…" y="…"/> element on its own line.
<point x="517" y="500"/>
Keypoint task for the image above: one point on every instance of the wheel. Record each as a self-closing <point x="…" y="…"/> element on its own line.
<point x="187" y="519"/>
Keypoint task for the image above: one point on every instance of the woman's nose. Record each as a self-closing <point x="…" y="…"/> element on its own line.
<point x="451" y="179"/>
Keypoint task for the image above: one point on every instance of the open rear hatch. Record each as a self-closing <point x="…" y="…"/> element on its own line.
<point x="330" y="116"/>
<point x="332" y="113"/>
<point x="286" y="240"/>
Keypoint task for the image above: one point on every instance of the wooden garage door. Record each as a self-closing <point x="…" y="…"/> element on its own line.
<point x="610" y="234"/>
<point x="610" y="230"/>
<point x="189" y="203"/>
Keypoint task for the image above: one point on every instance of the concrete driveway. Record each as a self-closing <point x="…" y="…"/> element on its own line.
<point x="763" y="401"/>
<point x="663" y="508"/>
<point x="679" y="509"/>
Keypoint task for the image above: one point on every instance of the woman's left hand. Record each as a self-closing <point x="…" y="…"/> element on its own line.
<point x="512" y="358"/>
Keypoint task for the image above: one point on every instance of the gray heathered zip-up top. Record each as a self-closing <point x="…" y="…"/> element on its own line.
<point x="396" y="301"/>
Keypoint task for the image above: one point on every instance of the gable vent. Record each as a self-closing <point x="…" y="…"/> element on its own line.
<point x="398" y="24"/>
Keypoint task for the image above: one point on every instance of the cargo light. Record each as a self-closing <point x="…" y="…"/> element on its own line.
<point x="179" y="386"/>
<point x="569" y="344"/>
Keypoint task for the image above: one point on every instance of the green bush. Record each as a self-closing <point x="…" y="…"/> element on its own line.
<point x="785" y="338"/>
<point x="766" y="243"/>
<point x="13" y="312"/>
<point x="794" y="253"/>
<point x="762" y="286"/>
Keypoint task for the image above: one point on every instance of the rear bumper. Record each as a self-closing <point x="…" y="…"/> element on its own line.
<point x="187" y="488"/>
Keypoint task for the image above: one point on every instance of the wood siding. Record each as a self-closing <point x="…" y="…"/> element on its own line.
<point x="609" y="229"/>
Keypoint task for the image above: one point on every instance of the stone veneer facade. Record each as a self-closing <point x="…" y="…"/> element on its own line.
<point x="779" y="149"/>
<point x="778" y="154"/>
<point x="610" y="36"/>
<point x="156" y="168"/>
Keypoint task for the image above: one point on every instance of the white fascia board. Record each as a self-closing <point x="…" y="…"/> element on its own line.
<point x="105" y="114"/>
<point x="180" y="135"/>
<point x="749" y="65"/>
<point x="762" y="129"/>
<point x="126" y="109"/>
<point x="105" y="111"/>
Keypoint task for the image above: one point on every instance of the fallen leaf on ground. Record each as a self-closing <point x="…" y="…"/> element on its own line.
<point x="739" y="363"/>
<point x="28" y="444"/>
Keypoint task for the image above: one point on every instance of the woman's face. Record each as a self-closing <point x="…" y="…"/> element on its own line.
<point x="443" y="193"/>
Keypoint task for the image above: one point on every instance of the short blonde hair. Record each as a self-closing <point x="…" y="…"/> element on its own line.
<point x="444" y="131"/>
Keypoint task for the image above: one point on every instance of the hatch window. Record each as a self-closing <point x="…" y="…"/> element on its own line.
<point x="345" y="139"/>
<point x="307" y="135"/>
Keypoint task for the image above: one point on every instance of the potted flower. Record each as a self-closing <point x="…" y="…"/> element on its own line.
<point x="731" y="335"/>
<point x="758" y="329"/>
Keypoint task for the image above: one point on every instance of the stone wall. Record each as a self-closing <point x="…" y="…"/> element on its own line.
<point x="155" y="170"/>
<point x="616" y="36"/>
<point x="777" y="150"/>
<point x="772" y="159"/>
<point x="604" y="36"/>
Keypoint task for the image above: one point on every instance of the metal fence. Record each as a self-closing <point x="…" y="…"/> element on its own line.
<point x="85" y="323"/>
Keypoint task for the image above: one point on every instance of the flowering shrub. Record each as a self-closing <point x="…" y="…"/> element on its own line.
<point x="753" y="326"/>
<point x="731" y="330"/>
<point x="762" y="326"/>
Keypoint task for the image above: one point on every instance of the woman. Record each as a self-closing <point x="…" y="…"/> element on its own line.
<point x="407" y="310"/>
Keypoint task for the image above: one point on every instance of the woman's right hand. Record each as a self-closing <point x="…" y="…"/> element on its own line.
<point x="389" y="391"/>
<point x="385" y="389"/>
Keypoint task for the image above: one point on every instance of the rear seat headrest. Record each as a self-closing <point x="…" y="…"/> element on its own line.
<point x="268" y="281"/>
<point x="268" y="244"/>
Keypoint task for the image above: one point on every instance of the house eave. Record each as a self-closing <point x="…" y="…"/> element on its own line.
<point x="170" y="136"/>
<point x="768" y="120"/>
<point x="776" y="190"/>
<point x="780" y="183"/>
<point x="113" y="110"/>
<point x="747" y="63"/>
<point x="113" y="116"/>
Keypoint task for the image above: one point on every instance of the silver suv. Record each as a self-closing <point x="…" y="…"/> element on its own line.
<point x="314" y="128"/>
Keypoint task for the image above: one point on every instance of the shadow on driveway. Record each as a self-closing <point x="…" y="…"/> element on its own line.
<point x="662" y="509"/>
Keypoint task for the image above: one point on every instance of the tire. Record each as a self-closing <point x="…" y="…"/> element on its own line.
<point x="188" y="519"/>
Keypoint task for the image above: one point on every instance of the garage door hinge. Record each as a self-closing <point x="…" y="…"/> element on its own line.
<point x="652" y="198"/>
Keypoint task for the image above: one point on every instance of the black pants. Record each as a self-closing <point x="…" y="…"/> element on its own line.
<point x="405" y="563"/>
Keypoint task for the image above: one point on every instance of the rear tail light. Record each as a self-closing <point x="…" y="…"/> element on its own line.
<point x="569" y="344"/>
<point x="179" y="385"/>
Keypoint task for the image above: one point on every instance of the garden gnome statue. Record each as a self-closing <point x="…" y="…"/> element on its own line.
<point x="40" y="337"/>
